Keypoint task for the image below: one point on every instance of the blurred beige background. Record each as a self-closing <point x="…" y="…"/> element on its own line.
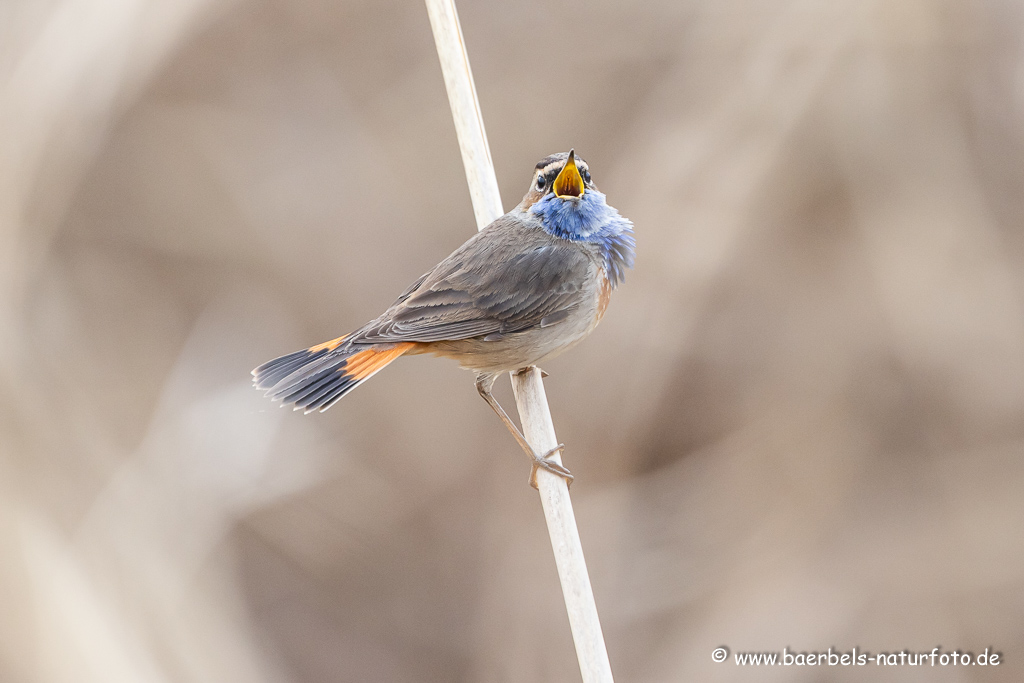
<point x="799" y="425"/>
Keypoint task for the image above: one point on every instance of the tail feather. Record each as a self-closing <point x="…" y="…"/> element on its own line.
<point x="272" y="372"/>
<point x="317" y="377"/>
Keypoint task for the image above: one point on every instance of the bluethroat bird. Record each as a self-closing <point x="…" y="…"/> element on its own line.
<point x="524" y="289"/>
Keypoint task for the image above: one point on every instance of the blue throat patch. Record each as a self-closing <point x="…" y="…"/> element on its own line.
<point x="590" y="219"/>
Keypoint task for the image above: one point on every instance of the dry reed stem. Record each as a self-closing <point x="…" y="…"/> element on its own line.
<point x="528" y="386"/>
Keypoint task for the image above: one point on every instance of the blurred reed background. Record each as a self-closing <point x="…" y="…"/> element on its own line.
<point x="800" y="423"/>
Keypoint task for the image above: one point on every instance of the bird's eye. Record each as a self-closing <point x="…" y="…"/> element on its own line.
<point x="541" y="182"/>
<point x="586" y="176"/>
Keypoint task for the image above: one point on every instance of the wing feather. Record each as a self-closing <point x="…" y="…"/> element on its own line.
<point x="507" y="278"/>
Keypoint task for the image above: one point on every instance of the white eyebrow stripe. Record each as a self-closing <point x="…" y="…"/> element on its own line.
<point x="558" y="165"/>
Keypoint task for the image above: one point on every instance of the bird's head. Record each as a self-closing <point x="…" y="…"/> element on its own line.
<point x="563" y="196"/>
<point x="564" y="176"/>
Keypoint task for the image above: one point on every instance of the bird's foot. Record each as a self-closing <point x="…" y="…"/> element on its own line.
<point x="528" y="368"/>
<point x="545" y="462"/>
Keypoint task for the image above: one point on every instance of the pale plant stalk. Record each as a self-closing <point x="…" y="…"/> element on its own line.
<point x="528" y="386"/>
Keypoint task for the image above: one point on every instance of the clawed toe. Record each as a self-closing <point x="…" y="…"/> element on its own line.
<point x="545" y="462"/>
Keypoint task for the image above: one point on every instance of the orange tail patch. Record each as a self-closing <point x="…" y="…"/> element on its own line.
<point x="328" y="345"/>
<point x="362" y="365"/>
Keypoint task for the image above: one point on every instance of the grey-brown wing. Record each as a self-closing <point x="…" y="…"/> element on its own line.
<point x="505" y="279"/>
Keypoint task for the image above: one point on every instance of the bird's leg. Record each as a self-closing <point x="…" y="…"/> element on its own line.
<point x="484" y="382"/>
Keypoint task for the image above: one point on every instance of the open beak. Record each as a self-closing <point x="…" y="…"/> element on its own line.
<point x="569" y="183"/>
